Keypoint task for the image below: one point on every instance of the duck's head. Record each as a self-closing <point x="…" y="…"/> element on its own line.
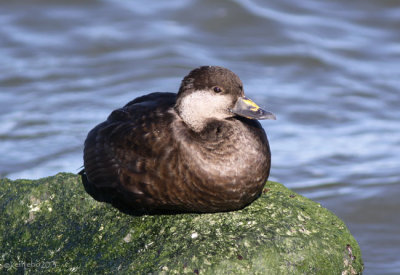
<point x="212" y="92"/>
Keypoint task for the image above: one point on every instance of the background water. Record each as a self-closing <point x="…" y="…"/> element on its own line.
<point x="329" y="70"/>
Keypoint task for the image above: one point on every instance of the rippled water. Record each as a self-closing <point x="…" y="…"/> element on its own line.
<point x="330" y="71"/>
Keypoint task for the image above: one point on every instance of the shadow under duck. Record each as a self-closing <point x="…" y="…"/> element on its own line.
<point x="201" y="150"/>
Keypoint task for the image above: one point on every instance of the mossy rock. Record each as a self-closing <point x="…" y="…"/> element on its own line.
<point x="52" y="225"/>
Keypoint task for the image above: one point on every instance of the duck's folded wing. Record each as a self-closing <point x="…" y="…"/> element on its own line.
<point x="128" y="143"/>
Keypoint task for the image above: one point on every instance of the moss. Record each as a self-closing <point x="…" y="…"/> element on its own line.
<point x="54" y="223"/>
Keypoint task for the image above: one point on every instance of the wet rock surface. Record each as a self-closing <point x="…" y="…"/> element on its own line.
<point x="52" y="225"/>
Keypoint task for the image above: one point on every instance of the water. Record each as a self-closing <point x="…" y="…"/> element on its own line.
<point x="330" y="71"/>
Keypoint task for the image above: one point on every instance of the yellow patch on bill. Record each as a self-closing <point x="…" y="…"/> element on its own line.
<point x="254" y="106"/>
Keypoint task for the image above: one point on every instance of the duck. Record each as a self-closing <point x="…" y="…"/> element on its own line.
<point x="201" y="150"/>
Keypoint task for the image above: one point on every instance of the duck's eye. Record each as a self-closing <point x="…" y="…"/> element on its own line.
<point x="217" y="89"/>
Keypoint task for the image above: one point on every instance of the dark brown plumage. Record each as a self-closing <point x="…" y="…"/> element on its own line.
<point x="188" y="152"/>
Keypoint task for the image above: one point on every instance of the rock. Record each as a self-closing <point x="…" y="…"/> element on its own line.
<point x="52" y="225"/>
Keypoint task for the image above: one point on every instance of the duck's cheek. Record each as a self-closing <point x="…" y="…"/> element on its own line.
<point x="198" y="107"/>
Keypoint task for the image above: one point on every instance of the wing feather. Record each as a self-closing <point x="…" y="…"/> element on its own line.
<point x="119" y="151"/>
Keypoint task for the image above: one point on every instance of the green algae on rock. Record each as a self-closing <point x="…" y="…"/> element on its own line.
<point x="52" y="225"/>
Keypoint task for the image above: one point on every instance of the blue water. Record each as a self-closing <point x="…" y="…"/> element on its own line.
<point x="330" y="71"/>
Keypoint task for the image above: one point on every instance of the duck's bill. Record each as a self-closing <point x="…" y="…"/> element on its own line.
<point x="247" y="108"/>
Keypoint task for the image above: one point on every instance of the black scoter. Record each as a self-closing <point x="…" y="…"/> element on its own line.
<point x="201" y="150"/>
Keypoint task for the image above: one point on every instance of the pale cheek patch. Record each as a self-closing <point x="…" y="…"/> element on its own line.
<point x="199" y="106"/>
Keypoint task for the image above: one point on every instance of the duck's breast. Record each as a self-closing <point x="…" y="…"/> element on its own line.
<point x="226" y="165"/>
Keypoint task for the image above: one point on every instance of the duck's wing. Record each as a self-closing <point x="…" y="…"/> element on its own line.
<point x="126" y="145"/>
